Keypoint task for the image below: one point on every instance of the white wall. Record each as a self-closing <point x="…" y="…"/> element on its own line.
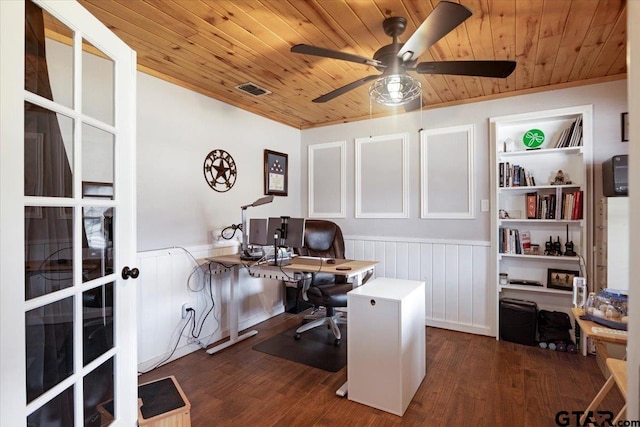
<point x="609" y="100"/>
<point x="177" y="128"/>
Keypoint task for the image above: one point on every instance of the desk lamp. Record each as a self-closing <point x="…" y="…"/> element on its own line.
<point x="244" y="254"/>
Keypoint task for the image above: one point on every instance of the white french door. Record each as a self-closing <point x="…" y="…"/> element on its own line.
<point x="67" y="219"/>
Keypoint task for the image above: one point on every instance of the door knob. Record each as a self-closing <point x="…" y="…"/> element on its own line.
<point x="130" y="272"/>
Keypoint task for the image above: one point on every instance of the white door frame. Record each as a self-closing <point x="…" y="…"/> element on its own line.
<point x="13" y="407"/>
<point x="633" y="88"/>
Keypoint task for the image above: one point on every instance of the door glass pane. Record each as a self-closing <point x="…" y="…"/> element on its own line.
<point x="48" y="152"/>
<point x="97" y="156"/>
<point x="49" y="346"/>
<point x="97" y="318"/>
<point x="48" y="249"/>
<point x="97" y="83"/>
<point x="48" y="62"/>
<point x="58" y="412"/>
<point x="98" y="395"/>
<point x="97" y="260"/>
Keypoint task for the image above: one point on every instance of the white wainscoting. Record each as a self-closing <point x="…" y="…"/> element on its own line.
<point x="458" y="295"/>
<point x="162" y="289"/>
<point x="454" y="272"/>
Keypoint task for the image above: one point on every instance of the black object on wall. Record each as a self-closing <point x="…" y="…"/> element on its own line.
<point x="615" y="181"/>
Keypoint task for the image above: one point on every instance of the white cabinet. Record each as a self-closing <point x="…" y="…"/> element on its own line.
<point x="386" y="359"/>
<point x="541" y="198"/>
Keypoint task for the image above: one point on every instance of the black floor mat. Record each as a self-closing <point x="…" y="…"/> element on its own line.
<point x="314" y="348"/>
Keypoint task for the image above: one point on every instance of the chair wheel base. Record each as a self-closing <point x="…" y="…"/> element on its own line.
<point x="296" y="337"/>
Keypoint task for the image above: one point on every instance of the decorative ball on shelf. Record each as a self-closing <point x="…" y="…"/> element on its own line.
<point x="533" y="138"/>
<point x="220" y="170"/>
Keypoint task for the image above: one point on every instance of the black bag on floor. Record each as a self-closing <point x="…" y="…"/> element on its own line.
<point x="553" y="326"/>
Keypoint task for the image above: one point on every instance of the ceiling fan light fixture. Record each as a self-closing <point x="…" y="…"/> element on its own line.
<point x="395" y="89"/>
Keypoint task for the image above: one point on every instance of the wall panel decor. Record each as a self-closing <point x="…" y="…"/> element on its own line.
<point x="327" y="180"/>
<point x="382" y="176"/>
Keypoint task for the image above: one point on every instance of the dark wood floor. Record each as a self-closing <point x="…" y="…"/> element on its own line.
<point x="471" y="380"/>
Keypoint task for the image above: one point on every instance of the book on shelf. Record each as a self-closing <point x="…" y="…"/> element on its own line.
<point x="576" y="135"/>
<point x="577" y="205"/>
<point x="511" y="241"/>
<point x="559" y="202"/>
<point x="571" y="136"/>
<point x="547" y="207"/>
<point x="572" y="205"/>
<point x="510" y="175"/>
<point x="561" y="138"/>
<point x="532" y="203"/>
<point x="525" y="242"/>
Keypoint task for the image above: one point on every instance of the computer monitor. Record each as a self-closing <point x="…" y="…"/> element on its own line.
<point x="294" y="231"/>
<point x="258" y="232"/>
<point x="273" y="229"/>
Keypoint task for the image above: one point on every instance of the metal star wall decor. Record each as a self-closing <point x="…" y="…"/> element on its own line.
<point x="220" y="170"/>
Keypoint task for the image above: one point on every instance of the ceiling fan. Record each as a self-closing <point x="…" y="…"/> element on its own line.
<point x="395" y="59"/>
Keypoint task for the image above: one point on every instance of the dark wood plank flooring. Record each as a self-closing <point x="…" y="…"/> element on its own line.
<point x="471" y="380"/>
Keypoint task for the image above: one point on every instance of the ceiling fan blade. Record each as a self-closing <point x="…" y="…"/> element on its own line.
<point x="445" y="17"/>
<point x="344" y="89"/>
<point x="328" y="53"/>
<point x="500" y="69"/>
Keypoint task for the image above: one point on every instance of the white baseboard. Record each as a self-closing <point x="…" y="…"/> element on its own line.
<point x="459" y="327"/>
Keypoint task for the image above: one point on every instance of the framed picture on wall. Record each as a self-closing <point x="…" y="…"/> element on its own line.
<point x="276" y="174"/>
<point x="624" y="126"/>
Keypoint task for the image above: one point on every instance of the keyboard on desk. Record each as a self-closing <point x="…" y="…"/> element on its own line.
<point x="609" y="331"/>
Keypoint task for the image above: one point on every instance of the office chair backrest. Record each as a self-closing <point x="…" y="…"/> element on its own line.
<point x="323" y="239"/>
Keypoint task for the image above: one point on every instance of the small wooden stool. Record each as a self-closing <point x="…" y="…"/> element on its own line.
<point x="162" y="403"/>
<point x="618" y="370"/>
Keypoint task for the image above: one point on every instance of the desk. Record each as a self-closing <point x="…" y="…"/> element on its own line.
<point x="288" y="273"/>
<point x="600" y="340"/>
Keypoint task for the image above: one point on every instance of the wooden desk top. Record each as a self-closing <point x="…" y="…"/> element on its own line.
<point x="587" y="328"/>
<point x="618" y="368"/>
<point x="304" y="264"/>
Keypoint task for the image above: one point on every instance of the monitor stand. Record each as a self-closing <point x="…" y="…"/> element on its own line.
<point x="251" y="255"/>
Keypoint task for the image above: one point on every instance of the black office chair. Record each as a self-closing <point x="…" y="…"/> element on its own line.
<point x="324" y="239"/>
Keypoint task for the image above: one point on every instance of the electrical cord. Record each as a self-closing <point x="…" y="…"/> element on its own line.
<point x="317" y="256"/>
<point x="204" y="318"/>
<point x="233" y="228"/>
<point x="191" y="315"/>
<point x="580" y="264"/>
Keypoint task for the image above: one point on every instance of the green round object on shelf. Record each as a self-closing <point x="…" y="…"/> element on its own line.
<point x="533" y="138"/>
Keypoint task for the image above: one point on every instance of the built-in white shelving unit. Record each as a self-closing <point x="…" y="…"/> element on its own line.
<point x="533" y="204"/>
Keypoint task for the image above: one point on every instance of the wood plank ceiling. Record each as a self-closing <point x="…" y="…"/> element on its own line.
<point x="211" y="46"/>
